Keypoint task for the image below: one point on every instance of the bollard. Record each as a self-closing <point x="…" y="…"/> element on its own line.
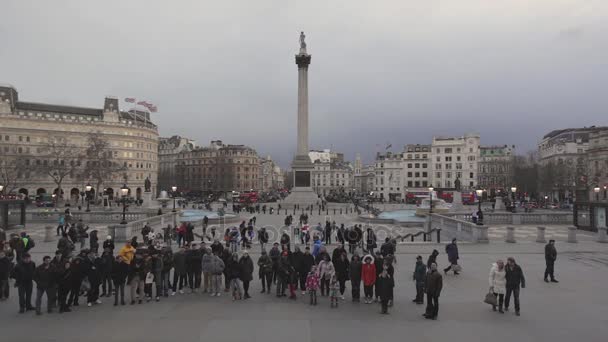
<point x="340" y="211"/>
<point x="510" y="235"/>
<point x="601" y="234"/>
<point x="572" y="235"/>
<point x="540" y="235"/>
<point x="48" y="233"/>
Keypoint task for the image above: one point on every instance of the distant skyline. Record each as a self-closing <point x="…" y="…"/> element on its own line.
<point x="397" y="72"/>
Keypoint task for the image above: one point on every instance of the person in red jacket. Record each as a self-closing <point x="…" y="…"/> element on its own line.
<point x="368" y="276"/>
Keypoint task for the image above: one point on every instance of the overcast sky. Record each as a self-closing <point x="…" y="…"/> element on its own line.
<point x="382" y="71"/>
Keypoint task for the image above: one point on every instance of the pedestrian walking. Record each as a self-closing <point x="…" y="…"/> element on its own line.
<point x="385" y="284"/>
<point x="355" y="277"/>
<point x="452" y="252"/>
<point x="515" y="280"/>
<point x="334" y="288"/>
<point x="23" y="274"/>
<point x="45" y="281"/>
<point x="498" y="283"/>
<point x="342" y="265"/>
<point x="216" y="269"/>
<point x="120" y="272"/>
<point x="326" y="271"/>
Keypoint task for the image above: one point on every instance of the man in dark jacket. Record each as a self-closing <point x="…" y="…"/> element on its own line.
<point x="335" y="255"/>
<point x="120" y="271"/>
<point x="434" y="284"/>
<point x="64" y="279"/>
<point x="297" y="261"/>
<point x="327" y="233"/>
<point x="355" y="277"/>
<point x="419" y="278"/>
<point x="23" y="274"/>
<point x="92" y="268"/>
<point x="550" y="257"/>
<point x="5" y="268"/>
<point x="65" y="245"/>
<point x="107" y="261"/>
<point x="246" y="272"/>
<point x="452" y="252"/>
<point x="515" y="279"/>
<point x="307" y="262"/>
<point x="179" y="273"/>
<point x="379" y="263"/>
<point x="387" y="248"/>
<point x="45" y="281"/>
<point x="275" y="256"/>
<point x="109" y="243"/>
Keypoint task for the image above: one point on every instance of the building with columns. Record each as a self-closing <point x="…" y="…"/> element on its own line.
<point x="27" y="127"/>
<point x="331" y="173"/>
<point x="452" y="158"/>
<point x="168" y="150"/>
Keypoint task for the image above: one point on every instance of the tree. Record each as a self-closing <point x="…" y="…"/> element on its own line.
<point x="99" y="164"/>
<point x="12" y="167"/>
<point x="58" y="160"/>
<point x="526" y="174"/>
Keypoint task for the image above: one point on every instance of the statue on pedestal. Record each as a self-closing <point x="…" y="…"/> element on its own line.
<point x="147" y="185"/>
<point x="457" y="184"/>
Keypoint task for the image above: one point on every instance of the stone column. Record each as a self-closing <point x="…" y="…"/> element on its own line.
<point x="540" y="235"/>
<point x="601" y="234"/>
<point x="572" y="234"/>
<point x="303" y="61"/>
<point x="510" y="235"/>
<point x="48" y="233"/>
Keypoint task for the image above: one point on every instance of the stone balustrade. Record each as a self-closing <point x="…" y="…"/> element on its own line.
<point x="519" y="218"/>
<point x="459" y="229"/>
<point x="124" y="232"/>
<point x="87" y="217"/>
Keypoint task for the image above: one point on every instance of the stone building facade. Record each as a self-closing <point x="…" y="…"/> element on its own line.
<point x="496" y="166"/>
<point x="271" y="175"/>
<point x="168" y="150"/>
<point x="452" y="158"/>
<point x="331" y="173"/>
<point x="218" y="168"/>
<point x="27" y="127"/>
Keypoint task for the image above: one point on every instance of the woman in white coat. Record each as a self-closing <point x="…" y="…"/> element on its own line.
<point x="498" y="283"/>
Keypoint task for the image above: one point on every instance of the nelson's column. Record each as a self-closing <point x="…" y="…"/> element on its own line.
<point x="301" y="167"/>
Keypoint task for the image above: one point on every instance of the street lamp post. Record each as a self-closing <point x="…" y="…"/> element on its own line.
<point x="479" y="193"/>
<point x="597" y="193"/>
<point x="1" y="190"/>
<point x="173" y="191"/>
<point x="88" y="194"/>
<point x="124" y="191"/>
<point x="431" y="199"/>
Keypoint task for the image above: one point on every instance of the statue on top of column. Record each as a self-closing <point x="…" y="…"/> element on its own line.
<point x="302" y="42"/>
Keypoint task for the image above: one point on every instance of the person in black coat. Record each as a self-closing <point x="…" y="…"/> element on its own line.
<point x="45" y="283"/>
<point x="246" y="272"/>
<point x="550" y="257"/>
<point x="233" y="274"/>
<point x="92" y="268"/>
<point x="419" y="277"/>
<point x="107" y="261"/>
<point x="64" y="284"/>
<point x="108" y="244"/>
<point x="23" y="274"/>
<point x="355" y="277"/>
<point x="335" y="255"/>
<point x="304" y="267"/>
<point x="93" y="241"/>
<point x="297" y="261"/>
<point x="6" y="266"/>
<point x="432" y="259"/>
<point x="120" y="272"/>
<point x="327" y="234"/>
<point x="341" y="265"/>
<point x="515" y="278"/>
<point x="379" y="263"/>
<point x="76" y="277"/>
<point x="385" y="284"/>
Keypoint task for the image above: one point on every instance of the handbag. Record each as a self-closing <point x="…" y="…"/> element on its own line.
<point x="490" y="299"/>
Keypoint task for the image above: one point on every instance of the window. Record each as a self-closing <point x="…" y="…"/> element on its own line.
<point x="438" y="166"/>
<point x="448" y="166"/>
<point x="438" y="158"/>
<point x="417" y="165"/>
<point x="409" y="183"/>
<point x="424" y="156"/>
<point x="417" y="174"/>
<point x="471" y="175"/>
<point x="457" y="158"/>
<point x="438" y="174"/>
<point x="424" y="165"/>
<point x="448" y="158"/>
<point x="424" y="174"/>
<point x="416" y="156"/>
<point x="448" y="175"/>
<point x="409" y="166"/>
<point x="409" y="174"/>
<point x="20" y="138"/>
<point x="448" y="150"/>
<point x="458" y="166"/>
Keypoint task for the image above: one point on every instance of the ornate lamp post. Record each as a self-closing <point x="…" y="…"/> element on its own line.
<point x="431" y="199"/>
<point x="479" y="193"/>
<point x="596" y="189"/>
<point x="124" y="191"/>
<point x="1" y="189"/>
<point x="173" y="191"/>
<point x="88" y="194"/>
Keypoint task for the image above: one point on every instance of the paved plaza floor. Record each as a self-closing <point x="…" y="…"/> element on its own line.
<point x="574" y="309"/>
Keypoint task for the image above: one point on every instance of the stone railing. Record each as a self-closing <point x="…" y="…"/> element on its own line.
<point x="460" y="229"/>
<point x="124" y="232"/>
<point x="87" y="217"/>
<point x="518" y="218"/>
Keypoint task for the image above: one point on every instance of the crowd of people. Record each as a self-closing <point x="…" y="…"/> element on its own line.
<point x="152" y="270"/>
